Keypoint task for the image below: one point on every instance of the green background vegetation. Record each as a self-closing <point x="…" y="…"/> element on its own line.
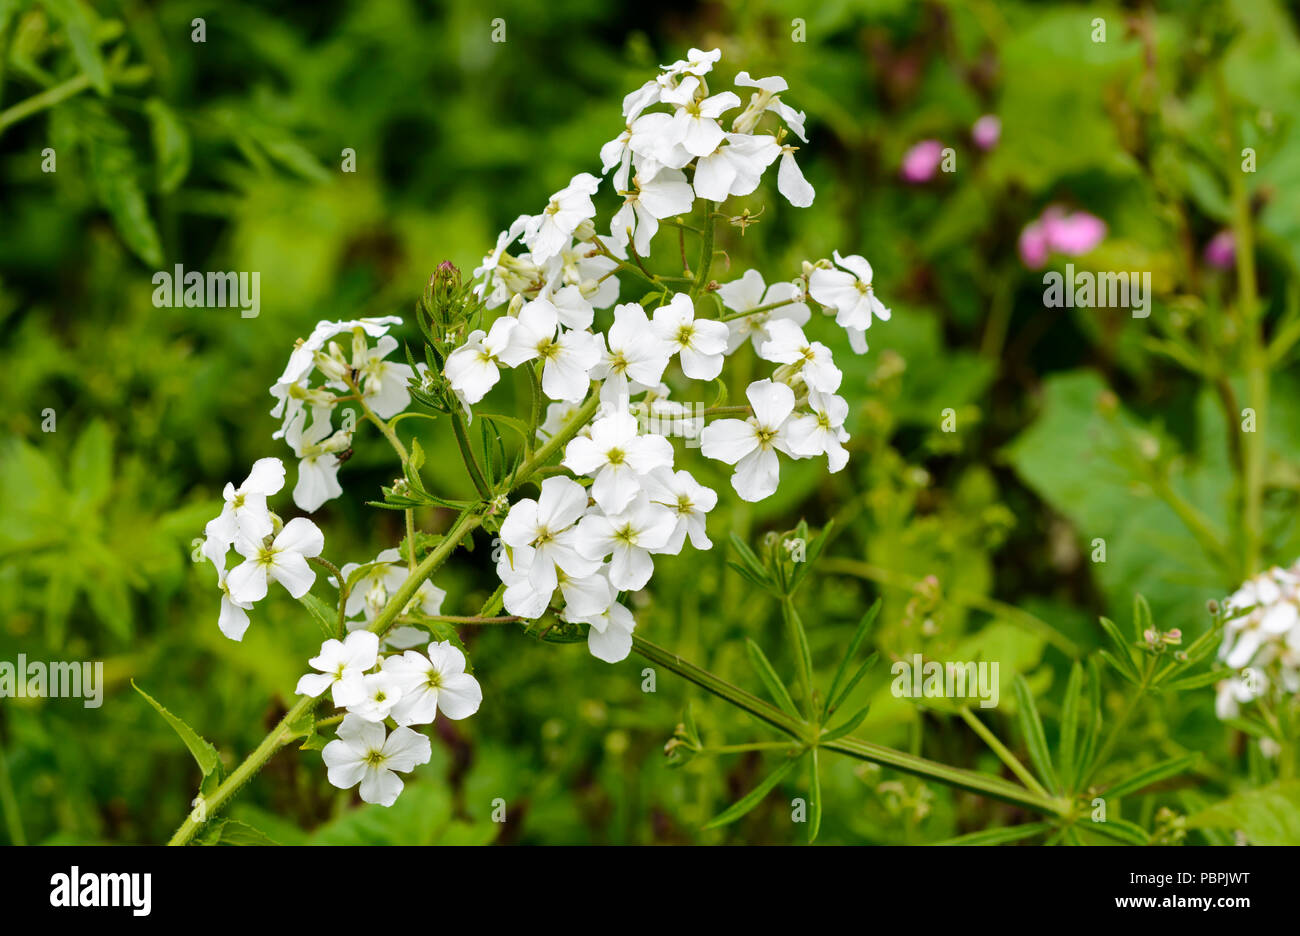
<point x="1072" y="424"/>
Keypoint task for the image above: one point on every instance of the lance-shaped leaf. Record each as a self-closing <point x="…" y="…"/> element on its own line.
<point x="753" y="797"/>
<point x="1014" y="833"/>
<point x="1070" y="724"/>
<point x="1121" y="831"/>
<point x="860" y="634"/>
<point x="1031" y="726"/>
<point x="775" y="688"/>
<point x="1152" y="774"/>
<point x="814" y="797"/>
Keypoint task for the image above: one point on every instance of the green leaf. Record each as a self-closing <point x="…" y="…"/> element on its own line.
<point x="1199" y="681"/>
<point x="752" y="798"/>
<point x="814" y="797"/>
<point x="1091" y="720"/>
<point x="1124" y="660"/>
<point x="860" y="634"/>
<point x="814" y="550"/>
<point x="1142" y="620"/>
<point x="1031" y="726"/>
<point x="77" y="23"/>
<point x="758" y="571"/>
<point x="1002" y="836"/>
<point x="234" y="832"/>
<point x="800" y="638"/>
<point x="1267" y="816"/>
<point x="171" y="144"/>
<point x="1070" y="724"/>
<point x="112" y="169"/>
<point x="204" y="753"/>
<point x="324" y="615"/>
<point x="852" y="683"/>
<point x="1122" y="831"/>
<point x="847" y="727"/>
<point x="92" y="464"/>
<point x="775" y="688"/>
<point x="1152" y="774"/>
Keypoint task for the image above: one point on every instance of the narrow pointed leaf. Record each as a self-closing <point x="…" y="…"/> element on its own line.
<point x="860" y="634"/>
<point x="753" y="797"/>
<point x="1000" y="836"/>
<point x="1032" y="728"/>
<point x="1152" y="774"/>
<point x="775" y="688"/>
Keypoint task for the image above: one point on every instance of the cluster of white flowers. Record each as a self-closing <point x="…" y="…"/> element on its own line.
<point x="595" y="543"/>
<point x="1261" y="639"/>
<point x="270" y="549"/>
<point x="592" y="536"/>
<point x="409" y="688"/>
<point x="306" y="412"/>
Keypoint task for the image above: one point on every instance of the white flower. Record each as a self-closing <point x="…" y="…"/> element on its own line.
<point x="550" y="231"/>
<point x="473" y="367"/>
<point x="491" y="286"/>
<point x="766" y="98"/>
<point x="631" y="536"/>
<point x="318" y="449"/>
<point x="544" y="527"/>
<point x="735" y="167"/>
<point x="695" y="125"/>
<point x="751" y="445"/>
<point x="634" y="360"/>
<point x="689" y="501"/>
<point x="700" y="345"/>
<point x="433" y="683"/>
<point x="381" y="691"/>
<point x="1231" y="694"/>
<point x="849" y="293"/>
<point x="610" y="636"/>
<point x="303" y="357"/>
<point x="790" y="180"/>
<point x="821" y="431"/>
<point x="787" y="344"/>
<point x="383" y="383"/>
<point x="233" y="617"/>
<point x="697" y="62"/>
<point x="567" y="359"/>
<point x="664" y="196"/>
<point x="285" y="560"/>
<point x="520" y="597"/>
<point x="245" y="507"/>
<point x="365" y="754"/>
<point x="342" y="666"/>
<point x="1271" y="605"/>
<point x="749" y="293"/>
<point x="589" y="594"/>
<point x="573" y="308"/>
<point x="616" y="458"/>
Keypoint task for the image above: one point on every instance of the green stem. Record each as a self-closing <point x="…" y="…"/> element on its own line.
<point x="706" y="251"/>
<point x="279" y="736"/>
<point x="994" y="787"/>
<point x="467" y="455"/>
<point x="1002" y="751"/>
<point x="9" y="803"/>
<point x="39" y="102"/>
<point x="540" y="457"/>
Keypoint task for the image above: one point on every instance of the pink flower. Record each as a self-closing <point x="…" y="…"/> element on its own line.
<point x="986" y="131"/>
<point x="1033" y="245"/>
<point x="1055" y="231"/>
<point x="921" y="162"/>
<point x="1221" y="251"/>
<point x="1073" y="234"/>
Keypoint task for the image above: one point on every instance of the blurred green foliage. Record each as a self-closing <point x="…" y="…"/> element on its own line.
<point x="226" y="155"/>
